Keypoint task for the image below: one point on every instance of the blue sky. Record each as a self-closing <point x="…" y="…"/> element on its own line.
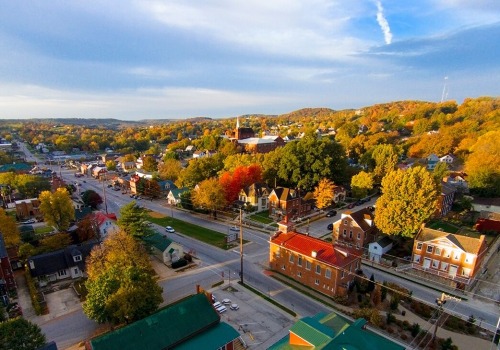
<point x="145" y="59"/>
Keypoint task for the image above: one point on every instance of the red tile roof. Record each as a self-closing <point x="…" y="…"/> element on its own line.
<point x="325" y="252"/>
<point x="101" y="217"/>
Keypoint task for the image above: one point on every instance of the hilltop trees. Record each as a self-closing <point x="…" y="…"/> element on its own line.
<point x="121" y="284"/>
<point x="57" y="208"/>
<point x="408" y="199"/>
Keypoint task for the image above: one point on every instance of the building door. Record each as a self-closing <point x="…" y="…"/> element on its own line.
<point x="453" y="271"/>
<point x="427" y="263"/>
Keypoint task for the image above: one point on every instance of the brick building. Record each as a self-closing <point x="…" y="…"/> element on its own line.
<point x="327" y="268"/>
<point x="355" y="229"/>
<point x="288" y="204"/>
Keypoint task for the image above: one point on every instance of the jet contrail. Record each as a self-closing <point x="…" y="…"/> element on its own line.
<point x="384" y="25"/>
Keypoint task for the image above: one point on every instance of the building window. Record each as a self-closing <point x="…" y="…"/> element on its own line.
<point x="359" y="235"/>
<point x="447" y="253"/>
<point x="419" y="246"/>
<point x="76" y="271"/>
<point x="318" y="269"/>
<point x="456" y="255"/>
<point x="316" y="281"/>
<point x="328" y="273"/>
<point x="437" y="251"/>
<point x="299" y="260"/>
<point x="444" y="266"/>
<point x="429" y="249"/>
<point x="290" y="258"/>
<point x="283" y="267"/>
<point x="465" y="272"/>
<point x="469" y="258"/>
<point x="345" y="222"/>
<point x="345" y="232"/>
<point x="308" y="265"/>
<point x="350" y="234"/>
<point x="435" y="264"/>
<point x="77" y="258"/>
<point x="62" y="273"/>
<point x="299" y="274"/>
<point x="416" y="258"/>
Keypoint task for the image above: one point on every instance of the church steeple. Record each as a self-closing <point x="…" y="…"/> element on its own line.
<point x="237" y="122"/>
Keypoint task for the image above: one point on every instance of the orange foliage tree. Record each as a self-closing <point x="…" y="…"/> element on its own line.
<point x="242" y="176"/>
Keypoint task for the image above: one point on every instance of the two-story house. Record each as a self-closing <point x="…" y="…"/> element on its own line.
<point x="445" y="200"/>
<point x="60" y="264"/>
<point x="458" y="181"/>
<point x="453" y="257"/>
<point x="339" y="194"/>
<point x="257" y="194"/>
<point x="288" y="204"/>
<point x="355" y="229"/>
<point x="28" y="208"/>
<point x="106" y="224"/>
<point x="432" y="161"/>
<point x="327" y="268"/>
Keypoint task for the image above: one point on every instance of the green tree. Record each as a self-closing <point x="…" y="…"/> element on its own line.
<point x="55" y="242"/>
<point x="57" y="208"/>
<point x="132" y="219"/>
<point x="200" y="169"/>
<point x="440" y="171"/>
<point x="111" y="165"/>
<point x="361" y="184"/>
<point x="323" y="193"/>
<point x="483" y="165"/>
<point x="30" y="186"/>
<point x="209" y="195"/>
<point x="121" y="284"/>
<point x="91" y="198"/>
<point x="9" y="229"/>
<point x="386" y="158"/>
<point x="408" y="199"/>
<point x="20" y="334"/>
<point x="149" y="164"/>
<point x="170" y="169"/>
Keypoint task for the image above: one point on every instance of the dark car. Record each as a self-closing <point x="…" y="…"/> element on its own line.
<point x="331" y="213"/>
<point x="330" y="227"/>
<point x="350" y="206"/>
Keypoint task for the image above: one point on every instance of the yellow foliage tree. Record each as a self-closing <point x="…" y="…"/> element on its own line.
<point x="209" y="195"/>
<point x="57" y="208"/>
<point x="323" y="193"/>
<point x="9" y="229"/>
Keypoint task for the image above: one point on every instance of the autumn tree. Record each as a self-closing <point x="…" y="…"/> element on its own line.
<point x="88" y="228"/>
<point x="440" y="171"/>
<point x="483" y="165"/>
<point x="323" y="193"/>
<point x="242" y="176"/>
<point x="209" y="195"/>
<point x="8" y="229"/>
<point x="111" y="165"/>
<point x="20" y="334"/>
<point x="386" y="158"/>
<point x="91" y="198"/>
<point x="361" y="184"/>
<point x="149" y="163"/>
<point x="55" y="242"/>
<point x="121" y="284"/>
<point x="30" y="186"/>
<point x="170" y="169"/>
<point x="57" y="208"/>
<point x="408" y="199"/>
<point x="200" y="169"/>
<point x="132" y="220"/>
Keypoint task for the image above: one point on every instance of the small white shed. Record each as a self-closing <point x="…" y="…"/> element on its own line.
<point x="379" y="248"/>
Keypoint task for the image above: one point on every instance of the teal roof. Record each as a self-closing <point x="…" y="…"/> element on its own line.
<point x="166" y="329"/>
<point x="16" y="167"/>
<point x="158" y="241"/>
<point x="176" y="192"/>
<point x="334" y="332"/>
<point x="214" y="338"/>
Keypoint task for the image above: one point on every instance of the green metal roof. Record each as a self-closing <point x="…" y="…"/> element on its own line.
<point x="15" y="166"/>
<point x="312" y="331"/>
<point x="165" y="329"/>
<point x="214" y="338"/>
<point x="158" y="241"/>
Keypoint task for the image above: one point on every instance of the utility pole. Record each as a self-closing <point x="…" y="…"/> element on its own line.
<point x="241" y="247"/>
<point x="104" y="194"/>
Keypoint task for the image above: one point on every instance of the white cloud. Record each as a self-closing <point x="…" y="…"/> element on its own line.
<point x="384" y="25"/>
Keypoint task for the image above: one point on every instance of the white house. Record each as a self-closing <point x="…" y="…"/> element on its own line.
<point x="106" y="223"/>
<point x="164" y="248"/>
<point x="379" y="248"/>
<point x="447" y="159"/>
<point x="432" y="160"/>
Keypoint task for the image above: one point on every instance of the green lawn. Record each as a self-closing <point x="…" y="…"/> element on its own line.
<point x="200" y="233"/>
<point x="262" y="217"/>
<point x="43" y="230"/>
<point x="445" y="226"/>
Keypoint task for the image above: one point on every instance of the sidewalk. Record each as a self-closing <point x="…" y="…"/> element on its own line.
<point x="463" y="341"/>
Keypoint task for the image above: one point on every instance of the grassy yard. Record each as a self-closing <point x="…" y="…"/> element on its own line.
<point x="262" y="217"/>
<point x="43" y="230"/>
<point x="445" y="226"/>
<point x="200" y="233"/>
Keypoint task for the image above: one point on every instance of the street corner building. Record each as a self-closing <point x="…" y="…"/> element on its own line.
<point x="322" y="266"/>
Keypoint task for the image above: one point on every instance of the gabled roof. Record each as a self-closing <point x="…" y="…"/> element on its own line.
<point x="467" y="244"/>
<point x="284" y="193"/>
<point x="176" y="192"/>
<point x="384" y="241"/>
<point x="325" y="252"/>
<point x="158" y="241"/>
<point x="61" y="259"/>
<point x="101" y="218"/>
<point x="165" y="329"/>
<point x="260" y="189"/>
<point x="312" y="331"/>
<point x="82" y="212"/>
<point x="360" y="218"/>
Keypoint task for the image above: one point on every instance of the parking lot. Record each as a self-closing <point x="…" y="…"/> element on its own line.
<point x="258" y="321"/>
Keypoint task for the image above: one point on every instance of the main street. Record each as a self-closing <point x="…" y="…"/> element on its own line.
<point x="213" y="262"/>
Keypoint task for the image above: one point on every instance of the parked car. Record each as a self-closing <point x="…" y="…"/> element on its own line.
<point x="234" y="307"/>
<point x="350" y="206"/>
<point x="169" y="229"/>
<point x="29" y="221"/>
<point x="234" y="228"/>
<point x="226" y="301"/>
<point x="331" y="213"/>
<point x="330" y="227"/>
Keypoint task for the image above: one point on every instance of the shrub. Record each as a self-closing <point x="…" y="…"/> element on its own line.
<point x="415" y="329"/>
<point x="394" y="302"/>
<point x="403" y="336"/>
<point x="390" y="318"/>
<point x="405" y="325"/>
<point x="35" y="301"/>
<point x="390" y="330"/>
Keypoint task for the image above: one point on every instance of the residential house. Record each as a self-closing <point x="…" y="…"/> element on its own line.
<point x="289" y="204"/>
<point x="355" y="228"/>
<point x="109" y="156"/>
<point x="165" y="187"/>
<point x="106" y="223"/>
<point x="449" y="159"/>
<point x="379" y="248"/>
<point x="333" y="331"/>
<point x="174" y="196"/>
<point x="204" y="153"/>
<point x="191" y="323"/>
<point x="432" y="161"/>
<point x="134" y="181"/>
<point x="339" y="194"/>
<point x="165" y="249"/>
<point x="7" y="282"/>
<point x="99" y="172"/>
<point x="458" y="181"/>
<point x="60" y="264"/>
<point x="28" y="208"/>
<point x="257" y="195"/>
<point x="445" y="200"/>
<point x="452" y="257"/>
<point x="323" y="266"/>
